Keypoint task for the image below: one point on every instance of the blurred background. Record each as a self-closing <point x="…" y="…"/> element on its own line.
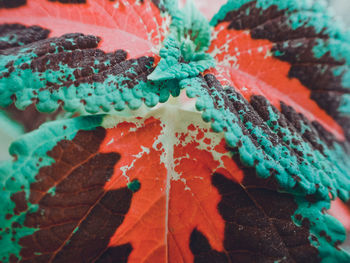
<point x="342" y="9"/>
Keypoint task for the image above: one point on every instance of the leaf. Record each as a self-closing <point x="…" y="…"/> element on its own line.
<point x="68" y="74"/>
<point x="56" y="217"/>
<point x="151" y="201"/>
<point x="293" y="50"/>
<point x="15" y="35"/>
<point x="69" y="174"/>
<point x="288" y="148"/>
<point x="69" y="71"/>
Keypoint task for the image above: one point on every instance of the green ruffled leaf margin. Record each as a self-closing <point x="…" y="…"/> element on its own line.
<point x="30" y="153"/>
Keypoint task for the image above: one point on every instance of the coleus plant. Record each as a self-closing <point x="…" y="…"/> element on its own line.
<point x="177" y="139"/>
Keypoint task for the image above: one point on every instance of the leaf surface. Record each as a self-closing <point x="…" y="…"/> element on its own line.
<point x="172" y="177"/>
<point x="95" y="173"/>
<point x="252" y="182"/>
<point x="287" y="52"/>
<point x="70" y="71"/>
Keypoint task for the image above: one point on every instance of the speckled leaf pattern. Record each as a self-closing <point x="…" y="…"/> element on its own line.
<point x="52" y="208"/>
<point x="50" y="78"/>
<point x="92" y="179"/>
<point x="284" y="149"/>
<point x="302" y="33"/>
<point x="225" y="140"/>
<point x="269" y="219"/>
<point x="69" y="70"/>
<point x="14" y="35"/>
